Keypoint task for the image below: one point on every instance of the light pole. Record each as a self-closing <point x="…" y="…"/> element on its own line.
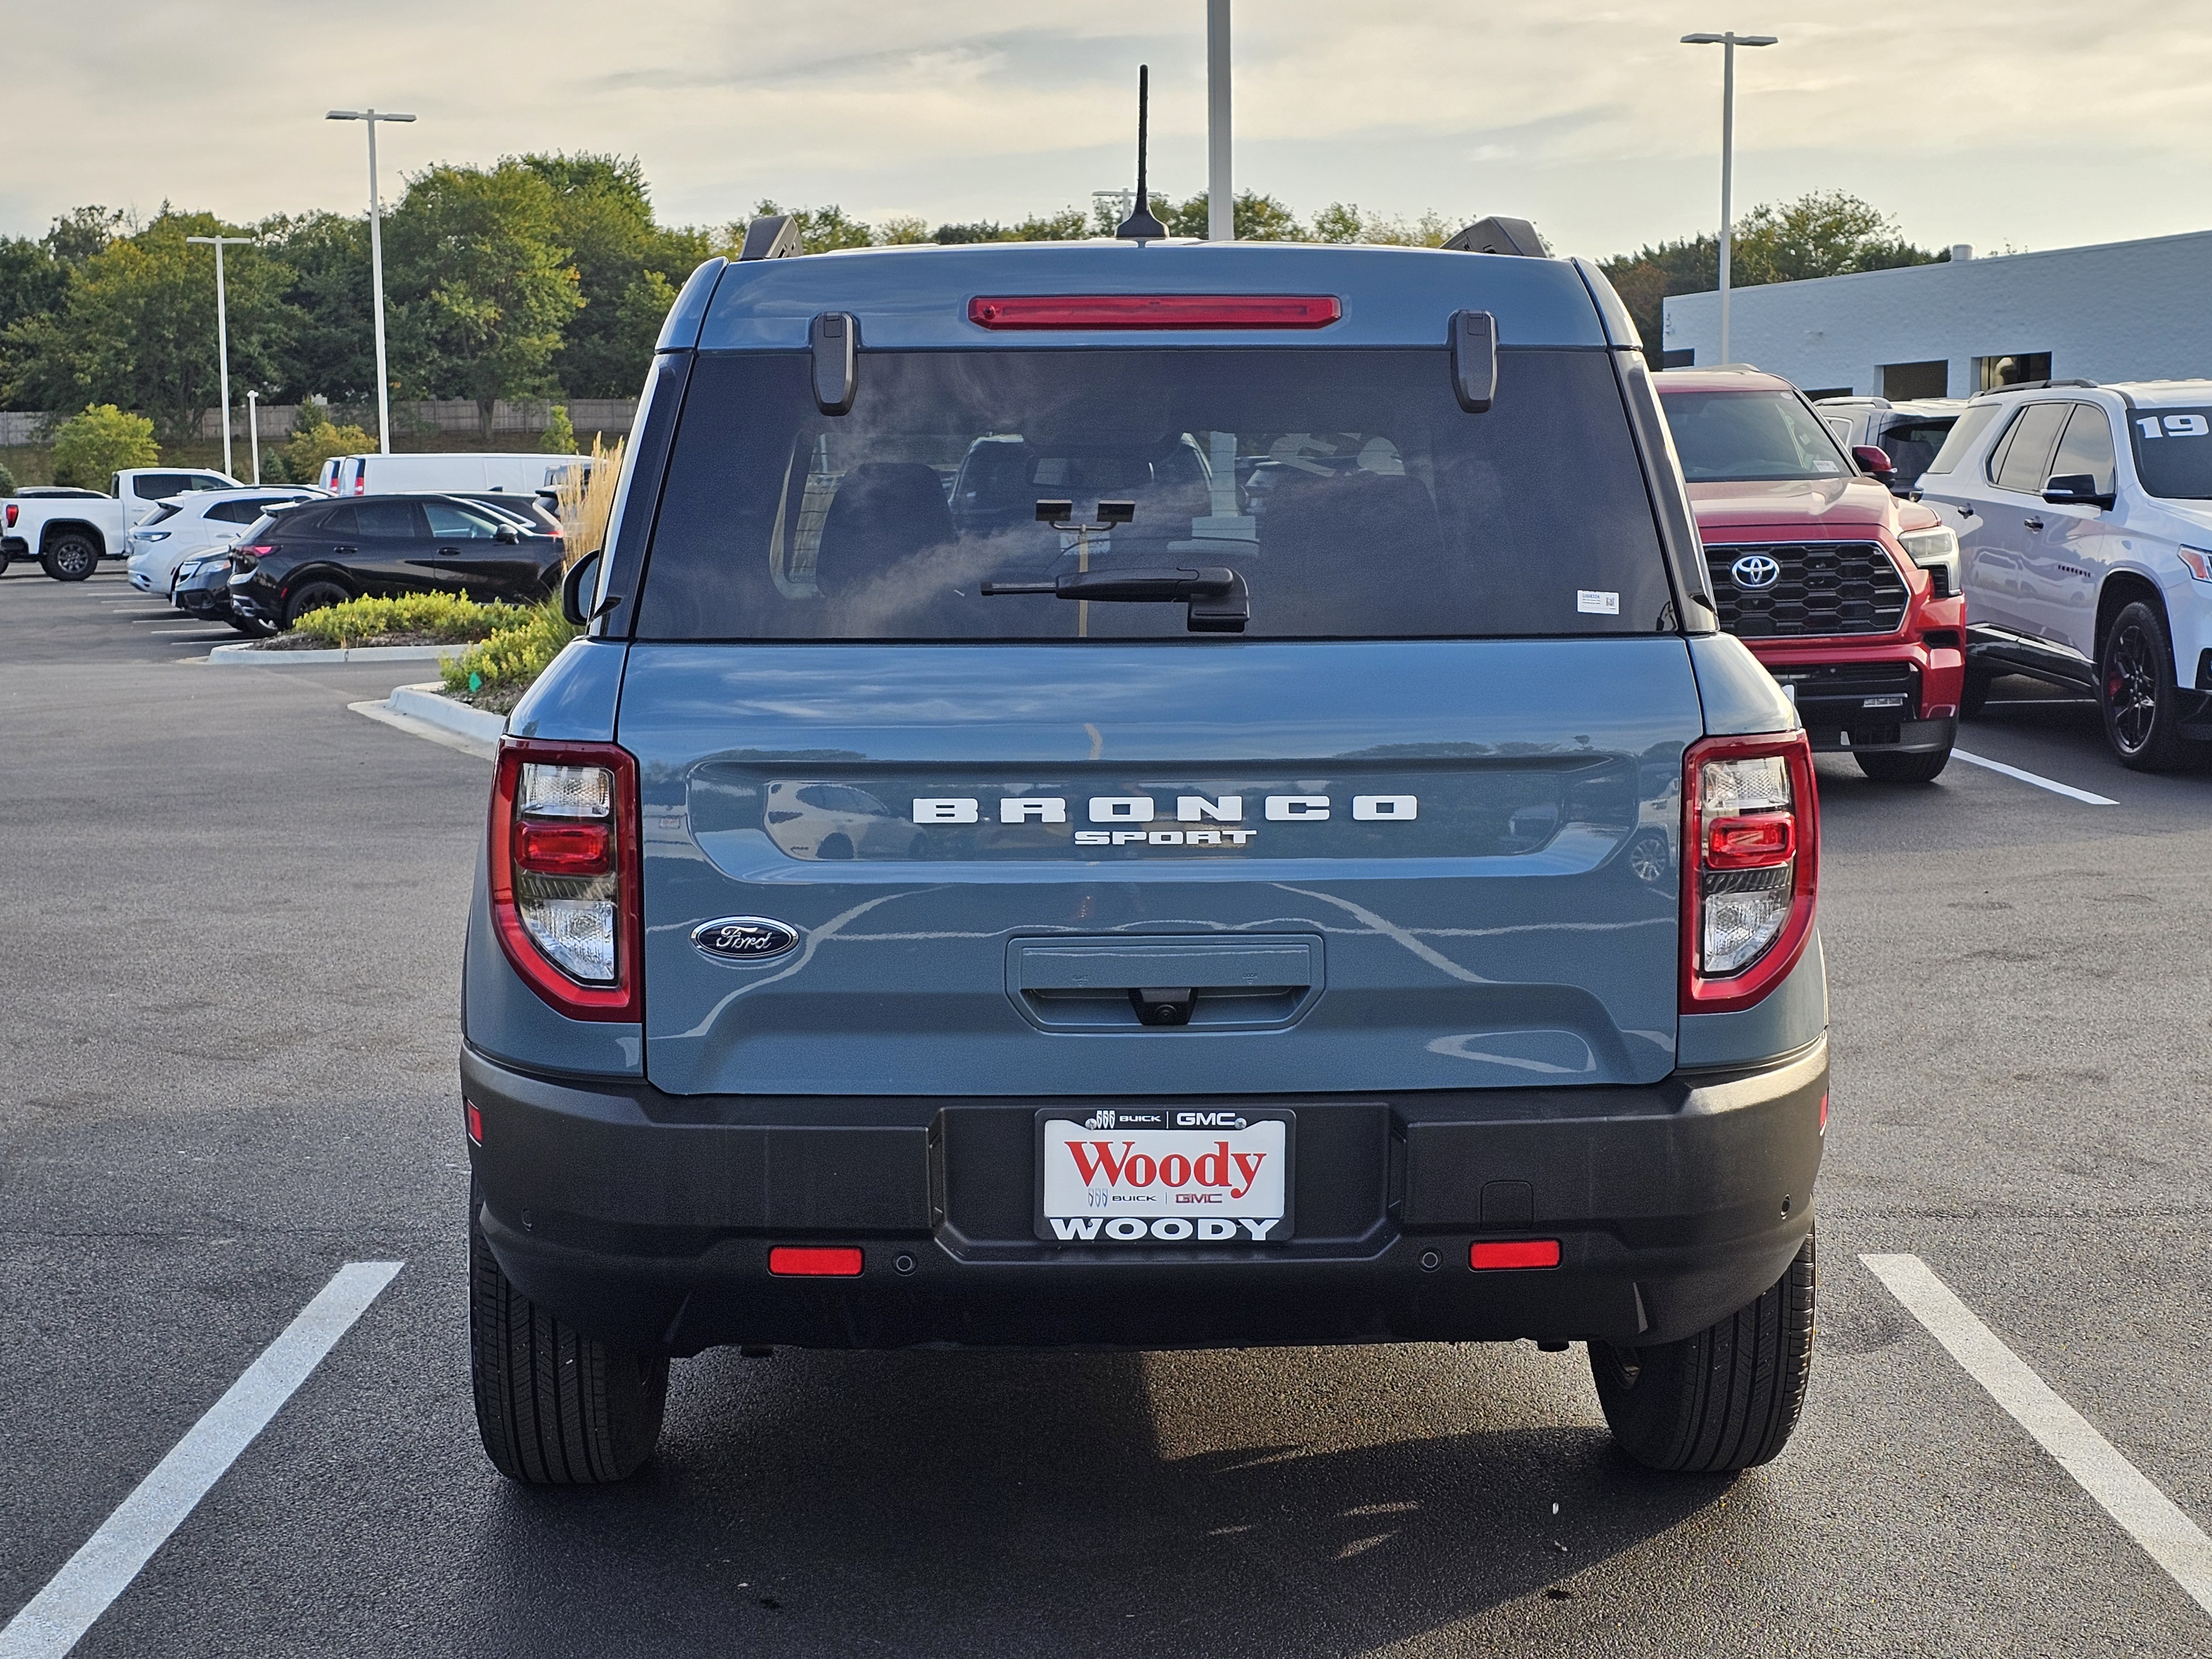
<point x="370" y="117"/>
<point x="253" y="433"/>
<point x="1220" y="199"/>
<point x="222" y="334"/>
<point x="1727" y="43"/>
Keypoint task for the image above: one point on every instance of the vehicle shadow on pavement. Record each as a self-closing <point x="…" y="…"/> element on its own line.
<point x="963" y="1503"/>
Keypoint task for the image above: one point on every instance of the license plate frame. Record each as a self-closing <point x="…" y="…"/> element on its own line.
<point x="1198" y="1131"/>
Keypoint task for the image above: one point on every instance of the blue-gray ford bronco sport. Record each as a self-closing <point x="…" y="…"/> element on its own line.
<point x="1145" y="794"/>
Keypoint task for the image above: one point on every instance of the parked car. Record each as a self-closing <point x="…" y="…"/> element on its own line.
<point x="1848" y="595"/>
<point x="70" y="532"/>
<point x="1909" y="431"/>
<point x="328" y="552"/>
<point x="201" y="589"/>
<point x="186" y="524"/>
<point x="2084" y="517"/>
<point x="1260" y="945"/>
<point x="459" y="473"/>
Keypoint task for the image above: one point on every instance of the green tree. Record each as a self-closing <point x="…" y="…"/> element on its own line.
<point x="137" y="327"/>
<point x="624" y="263"/>
<point x="89" y="447"/>
<point x="1343" y="222"/>
<point x="315" y="440"/>
<point x="1258" y="218"/>
<point x="487" y="284"/>
<point x="328" y="348"/>
<point x="559" y="437"/>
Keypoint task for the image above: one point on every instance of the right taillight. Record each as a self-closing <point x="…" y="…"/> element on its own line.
<point x="14" y="508"/>
<point x="564" y="874"/>
<point x="1751" y="824"/>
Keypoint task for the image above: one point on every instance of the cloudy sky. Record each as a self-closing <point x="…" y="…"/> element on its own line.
<point x="2029" y="123"/>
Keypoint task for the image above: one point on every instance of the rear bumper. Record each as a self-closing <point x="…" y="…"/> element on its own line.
<point x="646" y="1219"/>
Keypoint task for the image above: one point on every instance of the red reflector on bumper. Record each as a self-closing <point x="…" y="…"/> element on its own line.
<point x="475" y="1120"/>
<point x="836" y="1261"/>
<point x="1514" y="1253"/>
<point x="1156" y="311"/>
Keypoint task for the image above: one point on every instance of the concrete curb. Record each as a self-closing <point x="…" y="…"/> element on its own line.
<point x="254" y="656"/>
<point x="420" y="711"/>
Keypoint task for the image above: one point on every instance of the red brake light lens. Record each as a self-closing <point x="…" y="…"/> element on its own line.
<point x="14" y="511"/>
<point x="564" y="875"/>
<point x="1751" y="818"/>
<point x="1513" y="1253"/>
<point x="840" y="1262"/>
<point x="1234" y="311"/>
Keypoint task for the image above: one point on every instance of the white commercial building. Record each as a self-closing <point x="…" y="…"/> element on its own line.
<point x="2122" y="311"/>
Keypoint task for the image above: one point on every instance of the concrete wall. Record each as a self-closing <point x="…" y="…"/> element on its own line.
<point x="2122" y="311"/>
<point x="527" y="418"/>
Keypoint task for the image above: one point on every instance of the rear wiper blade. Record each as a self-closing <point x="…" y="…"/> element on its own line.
<point x="1219" y="601"/>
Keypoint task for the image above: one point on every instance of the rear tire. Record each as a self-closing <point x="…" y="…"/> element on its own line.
<point x="1904" y="768"/>
<point x="554" y="1408"/>
<point x="315" y="596"/>
<point x="251" y="630"/>
<point x="2136" y="693"/>
<point x="71" y="557"/>
<point x="1722" y="1400"/>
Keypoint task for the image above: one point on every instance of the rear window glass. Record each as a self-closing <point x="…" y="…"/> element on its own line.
<point x="2173" y="452"/>
<point x="1741" y="436"/>
<point x="1911" y="443"/>
<point x="1348" y="487"/>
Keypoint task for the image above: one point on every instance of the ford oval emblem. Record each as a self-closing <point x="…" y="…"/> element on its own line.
<point x="1754" y="571"/>
<point x="744" y="939"/>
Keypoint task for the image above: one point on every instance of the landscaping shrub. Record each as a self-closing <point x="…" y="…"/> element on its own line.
<point x="511" y="658"/>
<point x="441" y="617"/>
<point x="88" y="447"/>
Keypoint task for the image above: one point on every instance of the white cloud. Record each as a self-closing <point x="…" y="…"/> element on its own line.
<point x="2035" y="122"/>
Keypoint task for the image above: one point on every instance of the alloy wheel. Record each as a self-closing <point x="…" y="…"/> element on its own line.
<point x="2131" y="688"/>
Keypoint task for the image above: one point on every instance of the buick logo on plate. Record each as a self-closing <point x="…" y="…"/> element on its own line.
<point x="1754" y="571"/>
<point x="744" y="939"/>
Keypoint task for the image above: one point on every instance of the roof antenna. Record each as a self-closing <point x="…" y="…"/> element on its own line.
<point x="1140" y="226"/>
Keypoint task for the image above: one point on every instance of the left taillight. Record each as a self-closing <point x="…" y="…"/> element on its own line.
<point x="15" y="510"/>
<point x="565" y="875"/>
<point x="1750" y="823"/>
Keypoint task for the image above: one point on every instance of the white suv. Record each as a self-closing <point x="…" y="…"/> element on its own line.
<point x="186" y="524"/>
<point x="2084" y="515"/>
<point x="1909" y="431"/>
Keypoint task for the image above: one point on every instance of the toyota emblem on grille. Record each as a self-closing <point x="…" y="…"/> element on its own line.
<point x="1754" y="571"/>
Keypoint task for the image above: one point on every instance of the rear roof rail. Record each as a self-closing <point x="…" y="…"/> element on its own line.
<point x="1499" y="235"/>
<point x="771" y="236"/>
<point x="2031" y="386"/>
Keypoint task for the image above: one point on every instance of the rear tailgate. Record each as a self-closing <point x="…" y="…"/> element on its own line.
<point x="1388" y="865"/>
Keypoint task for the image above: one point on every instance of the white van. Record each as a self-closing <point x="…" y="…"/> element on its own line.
<point x="465" y="470"/>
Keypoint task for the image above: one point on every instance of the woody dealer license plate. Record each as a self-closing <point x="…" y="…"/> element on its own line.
<point x="1164" y="1174"/>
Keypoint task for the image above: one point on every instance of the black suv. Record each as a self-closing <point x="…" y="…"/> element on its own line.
<point x="370" y="546"/>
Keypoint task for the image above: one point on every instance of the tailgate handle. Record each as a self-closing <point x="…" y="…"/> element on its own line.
<point x="1113" y="968"/>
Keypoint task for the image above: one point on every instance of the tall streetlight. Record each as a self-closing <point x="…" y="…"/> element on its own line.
<point x="371" y="117"/>
<point x="222" y="333"/>
<point x="1727" y="43"/>
<point x="254" y="432"/>
<point x="1220" y="199"/>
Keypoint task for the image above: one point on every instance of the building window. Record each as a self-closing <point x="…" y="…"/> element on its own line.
<point x="1816" y="393"/>
<point x="1687" y="358"/>
<point x="1903" y="380"/>
<point x="1990" y="373"/>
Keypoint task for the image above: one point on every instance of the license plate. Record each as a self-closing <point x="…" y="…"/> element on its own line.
<point x="1164" y="1174"/>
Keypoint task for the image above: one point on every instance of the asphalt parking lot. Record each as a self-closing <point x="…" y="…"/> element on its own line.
<point x="233" y="923"/>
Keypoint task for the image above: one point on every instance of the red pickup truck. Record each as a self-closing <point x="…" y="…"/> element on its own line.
<point x="1849" y="596"/>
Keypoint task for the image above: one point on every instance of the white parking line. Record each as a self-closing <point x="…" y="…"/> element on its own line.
<point x="57" y="1616"/>
<point x="2039" y="782"/>
<point x="2151" y="1518"/>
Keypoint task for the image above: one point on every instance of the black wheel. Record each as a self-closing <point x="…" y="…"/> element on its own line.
<point x="2136" y="693"/>
<point x="247" y="626"/>
<point x="1974" y="696"/>
<point x="70" y="557"/>
<point x="1904" y="768"/>
<point x="315" y="596"/>
<point x="1722" y="1400"/>
<point x="554" y="1408"/>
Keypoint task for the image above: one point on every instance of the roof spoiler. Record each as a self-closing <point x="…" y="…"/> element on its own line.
<point x="771" y="236"/>
<point x="1498" y="234"/>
